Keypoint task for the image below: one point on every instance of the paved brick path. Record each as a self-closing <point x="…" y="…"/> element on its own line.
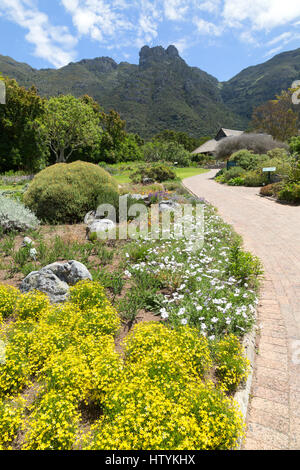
<point x="272" y="232"/>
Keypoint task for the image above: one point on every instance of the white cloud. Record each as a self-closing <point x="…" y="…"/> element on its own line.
<point x="117" y="24"/>
<point x="53" y="43"/>
<point x="211" y="6"/>
<point x="262" y="14"/>
<point x="207" y="28"/>
<point x="175" y="10"/>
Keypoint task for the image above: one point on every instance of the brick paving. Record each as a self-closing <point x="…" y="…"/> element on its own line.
<point x="272" y="232"/>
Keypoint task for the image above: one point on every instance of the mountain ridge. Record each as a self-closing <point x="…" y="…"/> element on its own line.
<point x="162" y="91"/>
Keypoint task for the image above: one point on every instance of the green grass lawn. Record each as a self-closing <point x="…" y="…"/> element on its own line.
<point x="183" y="173"/>
<point x="124" y="175"/>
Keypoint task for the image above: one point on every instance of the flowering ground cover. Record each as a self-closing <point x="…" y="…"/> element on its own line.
<point x="71" y="378"/>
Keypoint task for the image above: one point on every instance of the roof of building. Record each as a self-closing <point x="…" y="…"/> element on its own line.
<point x="208" y="147"/>
<point x="231" y="132"/>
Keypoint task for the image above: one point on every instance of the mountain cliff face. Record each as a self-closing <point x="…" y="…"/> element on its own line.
<point x="255" y="85"/>
<point x="162" y="91"/>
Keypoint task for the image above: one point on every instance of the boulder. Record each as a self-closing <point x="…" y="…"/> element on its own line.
<point x="169" y="205"/>
<point x="55" y="279"/>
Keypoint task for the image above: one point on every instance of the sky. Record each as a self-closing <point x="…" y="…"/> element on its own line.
<point x="221" y="37"/>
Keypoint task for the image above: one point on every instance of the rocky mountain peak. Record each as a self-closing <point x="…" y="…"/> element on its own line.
<point x="149" y="55"/>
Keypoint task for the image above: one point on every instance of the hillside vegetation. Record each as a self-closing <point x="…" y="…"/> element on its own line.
<point x="162" y="92"/>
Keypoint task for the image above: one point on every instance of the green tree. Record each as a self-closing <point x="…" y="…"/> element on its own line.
<point x="277" y="117"/>
<point x="20" y="147"/>
<point x="187" y="141"/>
<point x="69" y="124"/>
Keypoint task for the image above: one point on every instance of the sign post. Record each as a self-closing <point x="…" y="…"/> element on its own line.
<point x="269" y="171"/>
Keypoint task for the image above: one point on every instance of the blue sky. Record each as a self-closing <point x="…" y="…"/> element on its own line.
<point x="220" y="36"/>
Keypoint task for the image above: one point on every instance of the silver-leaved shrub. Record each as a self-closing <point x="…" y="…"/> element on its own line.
<point x="15" y="216"/>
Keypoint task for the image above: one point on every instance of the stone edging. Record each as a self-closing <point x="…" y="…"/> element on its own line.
<point x="242" y="396"/>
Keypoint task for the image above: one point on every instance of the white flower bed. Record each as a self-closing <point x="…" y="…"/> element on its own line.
<point x="209" y="296"/>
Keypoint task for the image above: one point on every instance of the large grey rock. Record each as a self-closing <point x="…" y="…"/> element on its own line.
<point x="70" y="272"/>
<point x="46" y="281"/>
<point x="55" y="279"/>
<point x="168" y="205"/>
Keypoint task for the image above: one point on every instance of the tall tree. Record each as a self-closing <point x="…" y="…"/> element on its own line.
<point x="69" y="124"/>
<point x="20" y="148"/>
<point x="277" y="117"/>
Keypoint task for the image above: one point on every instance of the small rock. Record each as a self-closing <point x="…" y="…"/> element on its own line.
<point x="148" y="181"/>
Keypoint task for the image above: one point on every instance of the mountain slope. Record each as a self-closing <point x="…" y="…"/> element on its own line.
<point x="162" y="92"/>
<point x="255" y="85"/>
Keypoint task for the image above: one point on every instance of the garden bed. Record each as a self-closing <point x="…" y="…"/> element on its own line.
<point x="183" y="315"/>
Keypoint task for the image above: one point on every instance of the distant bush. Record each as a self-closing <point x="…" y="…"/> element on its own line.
<point x="64" y="193"/>
<point x="158" y="173"/>
<point x="15" y="216"/>
<point x="166" y="151"/>
<point x="258" y="143"/>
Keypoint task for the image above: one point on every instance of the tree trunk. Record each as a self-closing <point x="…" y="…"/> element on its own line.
<point x="61" y="157"/>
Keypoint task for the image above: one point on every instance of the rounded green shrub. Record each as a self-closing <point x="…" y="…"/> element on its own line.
<point x="65" y="192"/>
<point x="234" y="172"/>
<point x="159" y="173"/>
<point x="247" y="159"/>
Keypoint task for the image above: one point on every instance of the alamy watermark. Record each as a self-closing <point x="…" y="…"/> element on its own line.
<point x="164" y="220"/>
<point x="2" y="352"/>
<point x="296" y="94"/>
<point x="296" y="352"/>
<point x="2" y="92"/>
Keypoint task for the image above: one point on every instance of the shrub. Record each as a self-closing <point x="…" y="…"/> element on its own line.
<point x="11" y="420"/>
<point x="255" y="178"/>
<point x="246" y="159"/>
<point x="53" y="424"/>
<point x="15" y="216"/>
<point x="258" y="143"/>
<point x="243" y="266"/>
<point x="161" y="389"/>
<point x="234" y="172"/>
<point x="232" y="366"/>
<point x="32" y="305"/>
<point x="64" y="193"/>
<point x="8" y="298"/>
<point x="290" y="193"/>
<point x="295" y="145"/>
<point x="239" y="181"/>
<point x="158" y="173"/>
<point x="166" y="151"/>
<point x="267" y="190"/>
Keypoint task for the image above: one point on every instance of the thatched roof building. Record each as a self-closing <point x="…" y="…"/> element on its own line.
<point x="209" y="147"/>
